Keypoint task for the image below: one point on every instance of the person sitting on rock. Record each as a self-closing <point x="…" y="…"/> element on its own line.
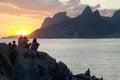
<point x="87" y="73"/>
<point x="27" y="45"/>
<point x="10" y="45"/>
<point x="14" y="45"/>
<point x="26" y="40"/>
<point x="23" y="42"/>
<point x="34" y="45"/>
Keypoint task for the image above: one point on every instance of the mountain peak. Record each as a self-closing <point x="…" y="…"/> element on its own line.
<point x="96" y="13"/>
<point x="87" y="11"/>
<point x="61" y="16"/>
<point x="47" y="22"/>
<point x="57" y="18"/>
<point x="117" y="13"/>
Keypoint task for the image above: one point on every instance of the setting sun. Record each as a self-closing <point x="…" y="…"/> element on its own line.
<point x="20" y="30"/>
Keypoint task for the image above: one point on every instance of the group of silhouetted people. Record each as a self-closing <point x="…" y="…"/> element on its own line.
<point x="23" y="42"/>
<point x="12" y="45"/>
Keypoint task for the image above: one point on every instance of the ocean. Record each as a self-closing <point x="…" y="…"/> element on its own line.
<point x="102" y="56"/>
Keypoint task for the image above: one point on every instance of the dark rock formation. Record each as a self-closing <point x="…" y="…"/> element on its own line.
<point x="33" y="65"/>
<point x="87" y="12"/>
<point x="57" y="18"/>
<point x="5" y="60"/>
<point x="87" y="25"/>
<point x="30" y="65"/>
<point x="47" y="22"/>
<point x="115" y="19"/>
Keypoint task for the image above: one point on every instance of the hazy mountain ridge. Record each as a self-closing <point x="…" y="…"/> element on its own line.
<point x="90" y="24"/>
<point x="87" y="25"/>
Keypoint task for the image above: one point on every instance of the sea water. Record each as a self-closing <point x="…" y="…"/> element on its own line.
<point x="102" y="56"/>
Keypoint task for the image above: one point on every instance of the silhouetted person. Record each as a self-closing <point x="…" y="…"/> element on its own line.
<point x="21" y="41"/>
<point x="101" y="78"/>
<point x="26" y="40"/>
<point x="87" y="73"/>
<point x="10" y="45"/>
<point x="27" y="45"/>
<point x="70" y="76"/>
<point x="34" y="45"/>
<point x="14" y="45"/>
<point x="12" y="52"/>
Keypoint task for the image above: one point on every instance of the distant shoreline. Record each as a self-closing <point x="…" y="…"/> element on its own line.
<point x="70" y="38"/>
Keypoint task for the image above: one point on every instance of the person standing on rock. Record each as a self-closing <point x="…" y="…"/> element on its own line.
<point x="34" y="45"/>
<point x="21" y="41"/>
<point x="87" y="73"/>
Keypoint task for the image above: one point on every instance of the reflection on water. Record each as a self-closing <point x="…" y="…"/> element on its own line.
<point x="102" y="56"/>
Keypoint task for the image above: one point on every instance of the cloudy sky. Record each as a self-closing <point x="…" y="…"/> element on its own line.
<point x="29" y="14"/>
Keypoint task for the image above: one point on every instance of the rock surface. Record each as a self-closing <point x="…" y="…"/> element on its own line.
<point x="25" y="64"/>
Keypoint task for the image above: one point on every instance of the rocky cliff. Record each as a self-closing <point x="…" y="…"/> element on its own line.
<point x="25" y="64"/>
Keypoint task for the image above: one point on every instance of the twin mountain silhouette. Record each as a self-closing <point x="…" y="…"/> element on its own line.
<point x="87" y="25"/>
<point x="90" y="24"/>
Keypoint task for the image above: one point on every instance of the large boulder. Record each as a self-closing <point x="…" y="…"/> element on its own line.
<point x="25" y="64"/>
<point x="6" y="65"/>
<point x="33" y="65"/>
<point x="62" y="71"/>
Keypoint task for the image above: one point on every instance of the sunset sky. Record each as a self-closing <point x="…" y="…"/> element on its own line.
<point x="29" y="14"/>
